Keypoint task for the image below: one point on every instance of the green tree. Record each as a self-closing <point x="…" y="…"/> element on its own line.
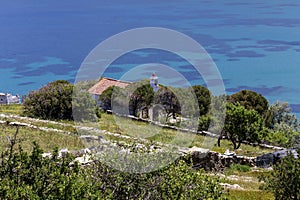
<point x="284" y="180"/>
<point x="106" y="97"/>
<point x="167" y="98"/>
<point x="204" y="98"/>
<point x="204" y="122"/>
<point x="250" y="100"/>
<point x="54" y="101"/>
<point x="284" y="125"/>
<point x="132" y="98"/>
<point x="280" y="112"/>
<point x="284" y="135"/>
<point x="242" y="125"/>
<point x="141" y="97"/>
<point x="84" y="108"/>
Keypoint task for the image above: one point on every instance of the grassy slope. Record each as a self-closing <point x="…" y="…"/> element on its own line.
<point x="11" y="109"/>
<point x="48" y="140"/>
<point x="248" y="180"/>
<point x="140" y="129"/>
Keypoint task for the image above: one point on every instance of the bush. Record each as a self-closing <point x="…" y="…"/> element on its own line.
<point x="177" y="181"/>
<point x="54" y="101"/>
<point x="204" y="122"/>
<point x="284" y="180"/>
<point x="30" y="176"/>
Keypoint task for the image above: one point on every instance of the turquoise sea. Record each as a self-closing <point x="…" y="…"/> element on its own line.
<point x="255" y="44"/>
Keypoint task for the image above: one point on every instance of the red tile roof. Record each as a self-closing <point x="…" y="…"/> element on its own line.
<point x="105" y="83"/>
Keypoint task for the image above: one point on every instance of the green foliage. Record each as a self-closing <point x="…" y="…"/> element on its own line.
<point x="166" y="96"/>
<point x="284" y="135"/>
<point x="141" y="95"/>
<point x="217" y="113"/>
<point x="284" y="180"/>
<point x="250" y="100"/>
<point x="284" y="126"/>
<point x="237" y="168"/>
<point x="128" y="100"/>
<point x="280" y="112"/>
<point x="30" y="176"/>
<point x="177" y="181"/>
<point x="242" y="125"/>
<point x="54" y="101"/>
<point x="83" y="106"/>
<point x="106" y="97"/>
<point x="203" y="97"/>
<point x="204" y="122"/>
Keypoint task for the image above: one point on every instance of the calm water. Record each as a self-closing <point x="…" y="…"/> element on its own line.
<point x="255" y="44"/>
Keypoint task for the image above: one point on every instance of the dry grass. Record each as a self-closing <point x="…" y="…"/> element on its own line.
<point x="47" y="140"/>
<point x="11" y="109"/>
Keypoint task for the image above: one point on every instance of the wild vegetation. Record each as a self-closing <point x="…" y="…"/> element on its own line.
<point x="59" y="100"/>
<point x="247" y="115"/>
<point x="242" y="125"/>
<point x="249" y="118"/>
<point x="31" y="176"/>
<point x="284" y="180"/>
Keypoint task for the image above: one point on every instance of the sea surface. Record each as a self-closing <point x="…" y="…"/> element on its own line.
<point x="255" y="44"/>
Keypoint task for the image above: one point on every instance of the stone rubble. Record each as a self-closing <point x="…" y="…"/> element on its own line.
<point x="229" y="186"/>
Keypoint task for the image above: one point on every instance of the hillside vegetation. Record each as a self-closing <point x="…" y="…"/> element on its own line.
<point x="49" y="140"/>
<point x="45" y="122"/>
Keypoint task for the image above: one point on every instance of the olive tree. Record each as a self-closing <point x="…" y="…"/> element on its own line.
<point x="242" y="125"/>
<point x="250" y="100"/>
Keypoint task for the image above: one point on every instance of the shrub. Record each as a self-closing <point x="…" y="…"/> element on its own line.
<point x="30" y="176"/>
<point x="54" y="101"/>
<point x="177" y="181"/>
<point x="284" y="180"/>
<point x="204" y="122"/>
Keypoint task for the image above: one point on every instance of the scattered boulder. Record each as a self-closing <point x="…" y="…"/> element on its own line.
<point x="229" y="186"/>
